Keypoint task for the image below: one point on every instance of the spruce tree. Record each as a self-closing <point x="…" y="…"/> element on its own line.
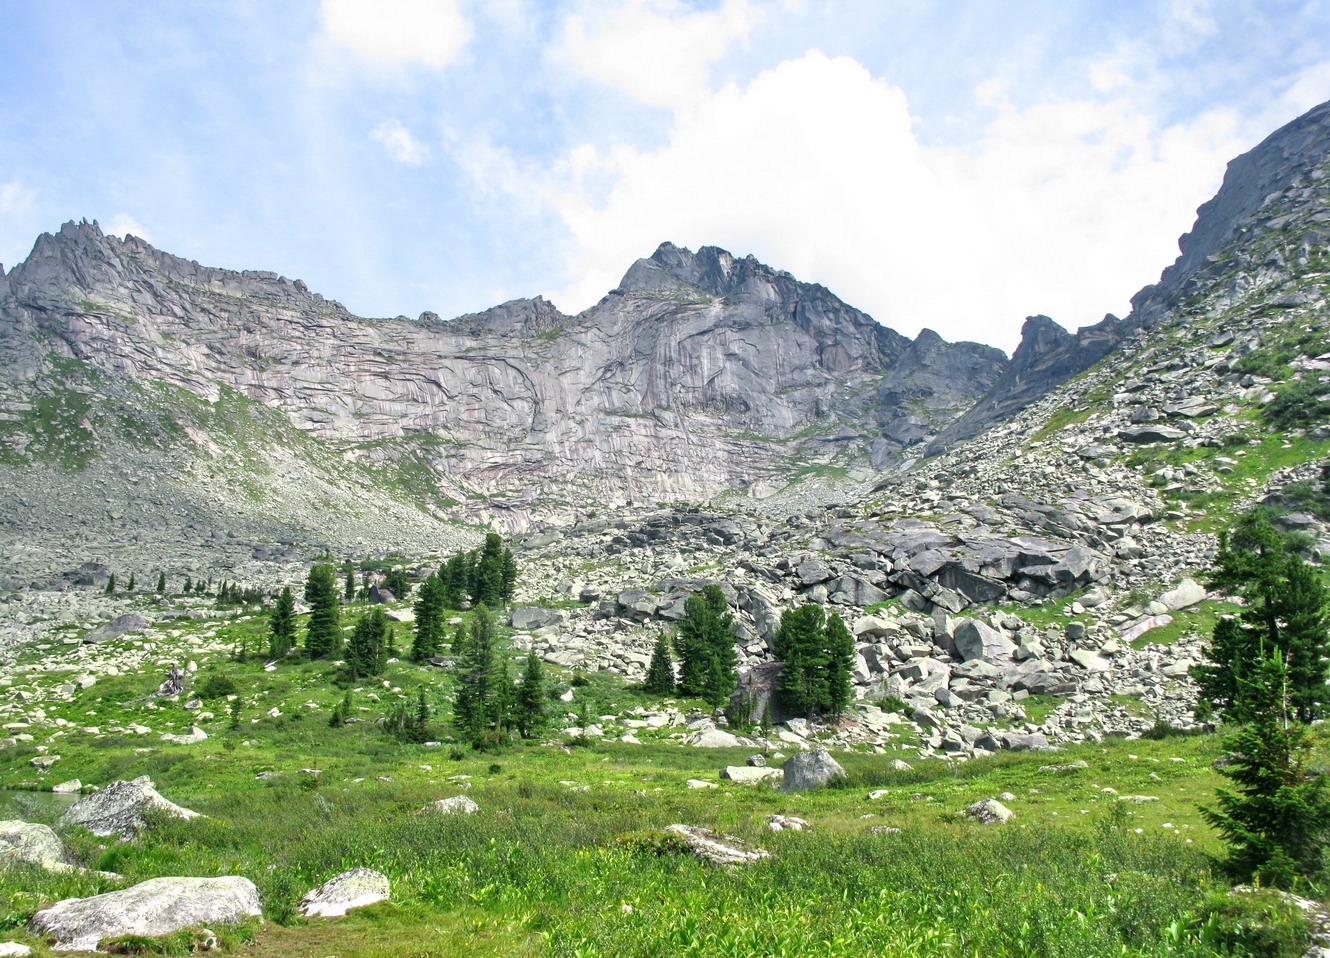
<point x="365" y="653"/>
<point x="429" y="624"/>
<point x="323" y="634"/>
<point x="454" y="577"/>
<point x="475" y="673"/>
<point x="1277" y="819"/>
<point x="705" y="646"/>
<point x="660" y="673"/>
<point x="282" y="625"/>
<point x="489" y="572"/>
<point x="529" y="713"/>
<point x="130" y="587"/>
<point x="161" y="583"/>
<point x="189" y="585"/>
<point x="508" y="574"/>
<point x="800" y="646"/>
<point x="110" y="584"/>
<point x="840" y="665"/>
<point x="349" y="591"/>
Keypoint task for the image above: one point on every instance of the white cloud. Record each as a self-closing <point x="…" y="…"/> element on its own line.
<point x="123" y="224"/>
<point x="656" y="51"/>
<point x="1063" y="208"/>
<point x="14" y="197"/>
<point x="398" y="141"/>
<point x="431" y="32"/>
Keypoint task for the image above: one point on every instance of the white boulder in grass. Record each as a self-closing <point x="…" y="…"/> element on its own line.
<point x="119" y="808"/>
<point x="351" y="889"/>
<point x="152" y="908"/>
<point x="457" y="805"/>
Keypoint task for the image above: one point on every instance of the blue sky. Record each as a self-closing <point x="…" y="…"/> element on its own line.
<point x="956" y="165"/>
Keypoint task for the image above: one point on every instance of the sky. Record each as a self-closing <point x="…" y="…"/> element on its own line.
<point x="956" y="165"/>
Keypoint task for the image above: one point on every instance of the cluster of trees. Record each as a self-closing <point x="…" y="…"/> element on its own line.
<point x="226" y="591"/>
<point x="1268" y="676"/>
<point x="704" y="644"/>
<point x="489" y="705"/>
<point x="483" y="577"/>
<point x="816" y="651"/>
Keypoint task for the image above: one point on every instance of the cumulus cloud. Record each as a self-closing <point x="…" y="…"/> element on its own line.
<point x="656" y="51"/>
<point x="122" y="224"/>
<point x="1063" y="208"/>
<point x="398" y="141"/>
<point x="430" y="32"/>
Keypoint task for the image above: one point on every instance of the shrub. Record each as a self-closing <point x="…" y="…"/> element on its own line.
<point x="216" y="686"/>
<point x="1259" y="924"/>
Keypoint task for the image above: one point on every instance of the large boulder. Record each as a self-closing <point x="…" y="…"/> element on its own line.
<point x="151" y="908"/>
<point x="809" y="770"/>
<point x="36" y="844"/>
<point x="457" y="805"/>
<point x="716" y="849"/>
<point x="525" y="618"/>
<point x="974" y="640"/>
<point x="119" y="809"/>
<point x="121" y="625"/>
<point x="746" y="774"/>
<point x="352" y="889"/>
<point x="1185" y="594"/>
<point x="989" y="811"/>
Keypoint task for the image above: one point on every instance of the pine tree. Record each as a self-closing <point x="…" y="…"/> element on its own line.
<point x="110" y="584"/>
<point x="460" y="639"/>
<point x="282" y="625"/>
<point x="349" y="591"/>
<point x="365" y="653"/>
<point x="660" y="673"/>
<point x="475" y="672"/>
<point x="161" y="583"/>
<point x="489" y="572"/>
<point x="454" y="576"/>
<point x="1277" y="821"/>
<point x="323" y="634"/>
<point x="189" y="585"/>
<point x="508" y="575"/>
<point x="396" y="583"/>
<point x="341" y="712"/>
<point x="428" y="639"/>
<point x="529" y="712"/>
<point x="800" y="644"/>
<point x="840" y="665"/>
<point x="131" y="583"/>
<point x="234" y="724"/>
<point x="705" y="646"/>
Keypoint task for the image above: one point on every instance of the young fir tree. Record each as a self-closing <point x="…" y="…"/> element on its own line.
<point x="529" y="713"/>
<point x="1277" y="819"/>
<point x="460" y="639"/>
<point x="508" y="575"/>
<point x="161" y="583"/>
<point x="341" y="711"/>
<point x="429" y="624"/>
<point x="234" y="724"/>
<point x="475" y="674"/>
<point x="705" y="646"/>
<point x="502" y="707"/>
<point x="365" y="653"/>
<point x="454" y="576"/>
<point x="110" y="584"/>
<point x="323" y="634"/>
<point x="130" y="587"/>
<point x="660" y="673"/>
<point x="349" y="591"/>
<point x="282" y="624"/>
<point x="189" y="585"/>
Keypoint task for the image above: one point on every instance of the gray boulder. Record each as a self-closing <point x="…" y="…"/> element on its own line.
<point x="745" y="774"/>
<point x="351" y="889"/>
<point x="1185" y="594"/>
<point x="119" y="809"/>
<point x="36" y="844"/>
<point x="989" y="811"/>
<point x="457" y="805"/>
<point x="528" y="617"/>
<point x="809" y="770"/>
<point x="152" y="908"/>
<point x="974" y="640"/>
<point x="130" y="622"/>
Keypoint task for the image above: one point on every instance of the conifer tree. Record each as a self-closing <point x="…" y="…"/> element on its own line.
<point x="365" y="653"/>
<point x="489" y="572"/>
<point x="234" y="724"/>
<point x="189" y="585"/>
<point x="429" y="624"/>
<point x="454" y="576"/>
<point x="323" y="634"/>
<point x="396" y="583"/>
<point x="530" y="713"/>
<point x="508" y="575"/>
<point x="1277" y="820"/>
<point x="799" y="644"/>
<point x="840" y="665"/>
<point x="705" y="646"/>
<point x="460" y="638"/>
<point x="130" y="588"/>
<point x="349" y="591"/>
<point x="475" y="673"/>
<point x="110" y="584"/>
<point x="161" y="583"/>
<point x="282" y="625"/>
<point x="341" y="711"/>
<point x="660" y="673"/>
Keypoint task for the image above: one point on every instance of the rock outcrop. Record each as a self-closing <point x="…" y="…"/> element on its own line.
<point x="122" y="809"/>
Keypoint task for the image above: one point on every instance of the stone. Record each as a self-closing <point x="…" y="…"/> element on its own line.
<point x="32" y="843"/>
<point x="810" y="770"/>
<point x="118" y="809"/>
<point x="989" y="811"/>
<point x="338" y="895"/>
<point x="70" y="787"/>
<point x="457" y="805"/>
<point x="528" y="617"/>
<point x="192" y="736"/>
<point x="716" y="849"/>
<point x="152" y="908"/>
<point x="1185" y="594"/>
<point x="744" y="774"/>
<point x="1147" y="434"/>
<point x="121" y="625"/>
<point x="756" y="761"/>
<point x="12" y="949"/>
<point x="714" y="738"/>
<point x="787" y="823"/>
<point x="975" y="640"/>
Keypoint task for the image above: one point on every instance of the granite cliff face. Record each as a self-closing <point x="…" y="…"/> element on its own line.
<point x="699" y="373"/>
